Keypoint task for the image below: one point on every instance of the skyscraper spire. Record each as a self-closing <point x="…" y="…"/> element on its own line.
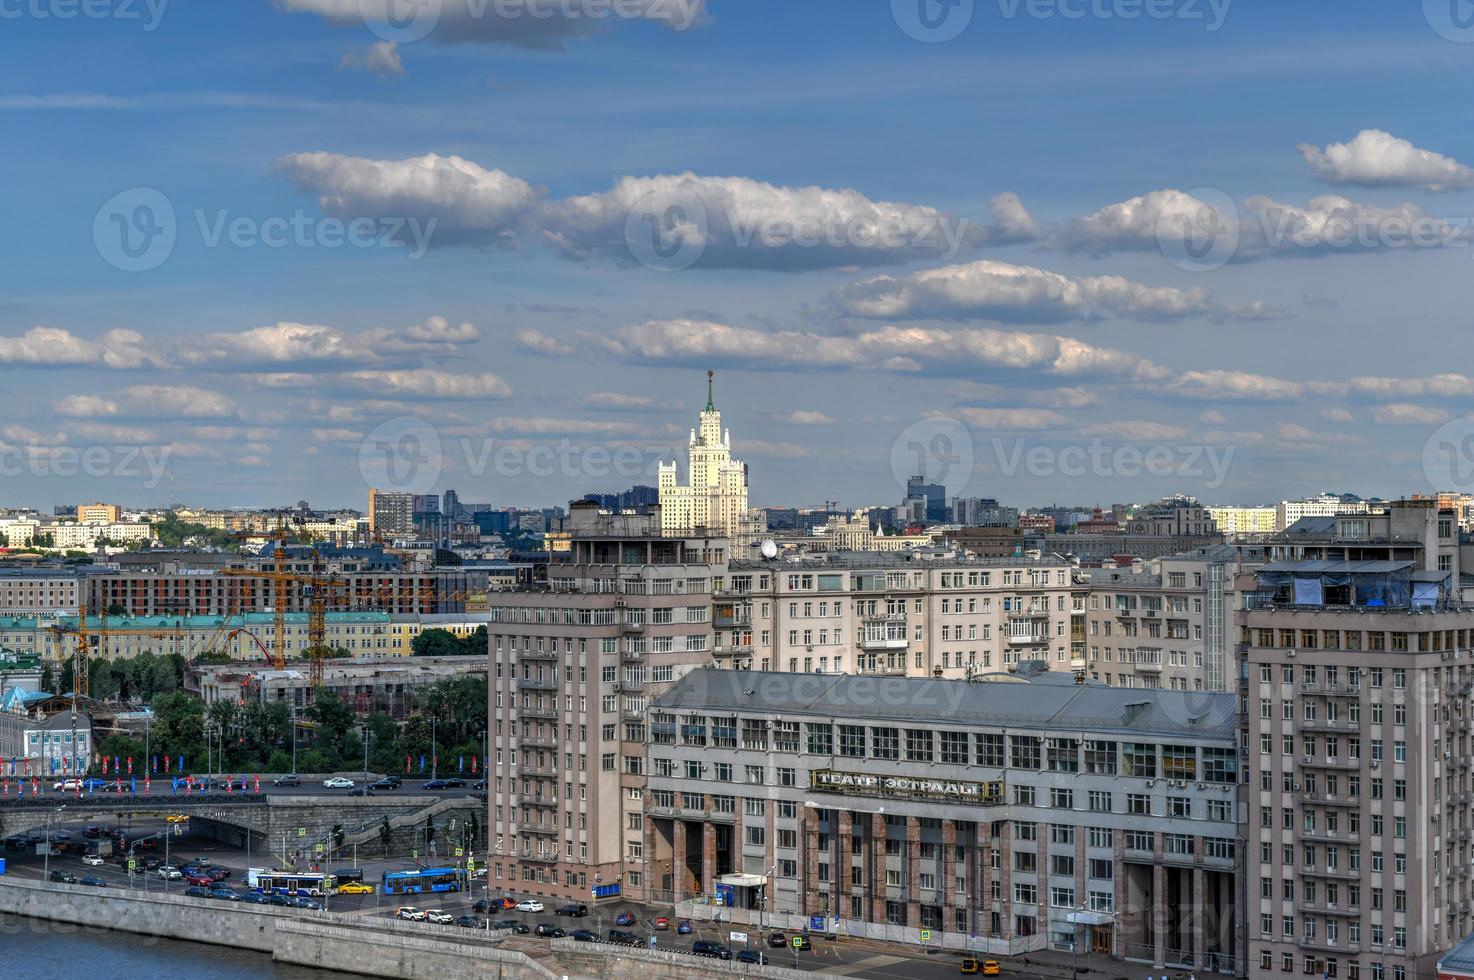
<point x="710" y="406"/>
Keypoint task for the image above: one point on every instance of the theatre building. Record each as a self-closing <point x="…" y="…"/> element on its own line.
<point x="1005" y="814"/>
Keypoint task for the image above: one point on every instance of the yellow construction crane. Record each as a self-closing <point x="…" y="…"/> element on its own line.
<point x="81" y="657"/>
<point x="320" y="589"/>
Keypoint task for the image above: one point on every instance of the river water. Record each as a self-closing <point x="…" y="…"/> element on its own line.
<point x="32" y="949"/>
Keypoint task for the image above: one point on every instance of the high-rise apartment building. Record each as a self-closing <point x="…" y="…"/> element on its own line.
<point x="714" y="500"/>
<point x="574" y="663"/>
<point x="98" y="514"/>
<point x="391" y="514"/>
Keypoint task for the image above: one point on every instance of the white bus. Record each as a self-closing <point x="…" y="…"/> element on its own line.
<point x="310" y="883"/>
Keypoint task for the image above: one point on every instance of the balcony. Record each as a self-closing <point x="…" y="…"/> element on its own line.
<point x="632" y="714"/>
<point x="1027" y="640"/>
<point x="545" y="857"/>
<point x="1327" y="946"/>
<point x="538" y="772"/>
<point x="1323" y="836"/>
<point x="1328" y="726"/>
<point x="537" y="655"/>
<point x="631" y="655"/>
<point x="1322" y="799"/>
<point x="1314" y="762"/>
<point x="550" y="714"/>
<point x="1150" y="668"/>
<point x="635" y="629"/>
<point x="732" y="649"/>
<point x="1335" y="909"/>
<point x="537" y="742"/>
<point x="537" y="829"/>
<point x="536" y="684"/>
<point x="1329" y="690"/>
<point x="885" y="643"/>
<point x="728" y="622"/>
<point x="539" y="800"/>
<point x="1342" y="874"/>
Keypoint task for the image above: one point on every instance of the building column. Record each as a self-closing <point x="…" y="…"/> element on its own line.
<point x="678" y="870"/>
<point x="843" y="861"/>
<point x="810" y="901"/>
<point x="948" y="885"/>
<point x="1159" y="914"/>
<point x="1199" y="917"/>
<point x="913" y="871"/>
<point x="708" y="859"/>
<point x="877" y="867"/>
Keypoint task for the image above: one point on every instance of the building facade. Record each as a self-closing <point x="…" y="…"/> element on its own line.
<point x="995" y="810"/>
<point x="714" y="500"/>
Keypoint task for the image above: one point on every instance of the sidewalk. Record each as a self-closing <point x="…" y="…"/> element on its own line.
<point x="1044" y="963"/>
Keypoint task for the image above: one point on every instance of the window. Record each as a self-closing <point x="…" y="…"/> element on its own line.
<point x="821" y="739"/>
<point x="1024" y="751"/>
<point x="1100" y="757"/>
<point x="885" y="743"/>
<point x="990" y="750"/>
<point x="1139" y="759"/>
<point x="852" y="741"/>
<point x="1139" y="804"/>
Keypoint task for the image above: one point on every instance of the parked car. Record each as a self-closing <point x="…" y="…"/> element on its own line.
<point x="777" y="940"/>
<point x="218" y="873"/>
<point x="662" y="924"/>
<point x="92" y="882"/>
<point x="64" y="877"/>
<point x="518" y="927"/>
<point x="529" y="905"/>
<point x="468" y="922"/>
<point x="169" y="873"/>
<point x="481" y="907"/>
<point x="683" y="928"/>
<point x="197" y="892"/>
<point x="409" y="913"/>
<point x="574" y="910"/>
<point x="705" y="947"/>
<point x="281" y="901"/>
<point x="92" y="861"/>
<point x="504" y="904"/>
<point x="221" y="893"/>
<point x="969" y="965"/>
<point x="440" y="917"/>
<point x="625" y="919"/>
<point x="197" y="877"/>
<point x="388" y="782"/>
<point x="254" y="898"/>
<point x="584" y="936"/>
<point x="289" y="780"/>
<point x="303" y="902"/>
<point x="479" y="784"/>
<point x="992" y="968"/>
<point x="752" y="956"/>
<point x="549" y="931"/>
<point x="623" y="938"/>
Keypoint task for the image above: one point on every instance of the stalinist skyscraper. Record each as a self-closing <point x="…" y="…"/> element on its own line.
<point x="715" y="498"/>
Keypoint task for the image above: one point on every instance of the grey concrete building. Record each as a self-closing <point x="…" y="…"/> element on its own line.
<point x="1003" y="810"/>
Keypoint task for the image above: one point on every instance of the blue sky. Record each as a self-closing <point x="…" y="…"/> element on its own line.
<point x="1064" y="322"/>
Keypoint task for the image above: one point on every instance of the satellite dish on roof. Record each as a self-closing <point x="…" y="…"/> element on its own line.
<point x="769" y="548"/>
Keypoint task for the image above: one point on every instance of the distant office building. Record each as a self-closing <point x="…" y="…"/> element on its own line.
<point x="979" y="511"/>
<point x="1042" y="523"/>
<point x="426" y="503"/>
<point x="391" y="514"/>
<point x="987" y="541"/>
<point x="490" y="522"/>
<point x="714" y="500"/>
<point x="98" y="514"/>
<point x="1178" y="516"/>
<point x="934" y="494"/>
<point x="450" y="504"/>
<point x="1233" y="521"/>
<point x="1287" y="512"/>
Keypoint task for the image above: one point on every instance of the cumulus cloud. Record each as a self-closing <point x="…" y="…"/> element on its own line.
<point x="890" y="348"/>
<point x="1337" y="415"/>
<point x="1012" y="418"/>
<point x="55" y="347"/>
<point x="807" y="417"/>
<point x="1175" y="222"/>
<point x="467" y="203"/>
<point x="1376" y="158"/>
<point x="1402" y="413"/>
<point x="527" y="23"/>
<point x="619" y="402"/>
<point x="1437" y="386"/>
<point x="150" y="402"/>
<point x="544" y="345"/>
<point x="428" y="383"/>
<point x="992" y="290"/>
<point x="381" y="58"/>
<point x="705" y="221"/>
<point x="1069" y="397"/>
<point x="538" y="426"/>
<point x="1137" y="430"/>
<point x="308" y="345"/>
<point x="1213" y="417"/>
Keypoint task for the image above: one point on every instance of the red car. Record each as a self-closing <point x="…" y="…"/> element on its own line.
<point x="503" y="904"/>
<point x="662" y="924"/>
<point x="199" y="878"/>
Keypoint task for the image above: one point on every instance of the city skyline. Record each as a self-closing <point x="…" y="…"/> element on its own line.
<point x="438" y="247"/>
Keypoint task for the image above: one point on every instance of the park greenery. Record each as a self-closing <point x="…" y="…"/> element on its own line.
<point x="444" y="643"/>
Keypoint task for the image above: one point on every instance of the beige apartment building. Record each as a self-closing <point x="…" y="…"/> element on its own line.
<point x="573" y="666"/>
<point x="1357" y="679"/>
<point x="920" y="616"/>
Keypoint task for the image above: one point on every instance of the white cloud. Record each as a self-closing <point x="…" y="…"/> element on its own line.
<point x="1402" y="413"/>
<point x="536" y="342"/>
<point x="550" y="426"/>
<point x="1337" y="415"/>
<point x="1376" y="158"/>
<point x="1437" y="386"/>
<point x="429" y="383"/>
<point x="86" y="406"/>
<point x="1137" y="430"/>
<point x="992" y="290"/>
<point x="55" y="347"/>
<point x="467" y="203"/>
<point x="1293" y="432"/>
<point x="1234" y="386"/>
<point x="1012" y="418"/>
<point x="380" y="58"/>
<point x="1212" y="417"/>
<point x="807" y="417"/>
<point x="890" y="348"/>
<point x="439" y="330"/>
<point x="282" y="343"/>
<point x="977" y="391"/>
<point x="617" y="401"/>
<point x="150" y="402"/>
<point x="526" y="23"/>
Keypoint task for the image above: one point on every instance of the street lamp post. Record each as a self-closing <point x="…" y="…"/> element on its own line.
<point x="46" y="859"/>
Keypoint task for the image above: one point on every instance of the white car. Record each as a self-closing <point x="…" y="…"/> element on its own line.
<point x="410" y="912"/>
<point x="170" y="873"/>
<point x="93" y="861"/>
<point x="530" y="905"/>
<point x="338" y="782"/>
<point x="67" y="785"/>
<point x="440" y="917"/>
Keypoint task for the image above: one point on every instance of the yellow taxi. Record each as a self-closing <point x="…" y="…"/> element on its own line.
<point x="969" y="964"/>
<point x="991" y="968"/>
<point x="355" y="888"/>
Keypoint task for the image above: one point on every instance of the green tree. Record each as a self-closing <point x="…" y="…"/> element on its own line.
<point x="435" y="643"/>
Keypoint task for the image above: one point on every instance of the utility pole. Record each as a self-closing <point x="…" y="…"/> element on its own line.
<point x="434" y="754"/>
<point x="46" y="860"/>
